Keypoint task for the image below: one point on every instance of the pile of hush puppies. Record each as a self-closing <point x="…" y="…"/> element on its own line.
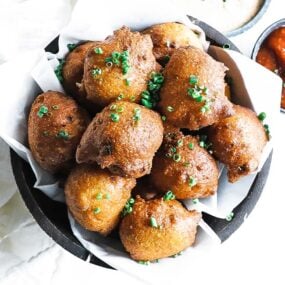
<point x="143" y="121"/>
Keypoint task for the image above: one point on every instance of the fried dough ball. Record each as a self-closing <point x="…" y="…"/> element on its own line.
<point x="167" y="37"/>
<point x="95" y="197"/>
<point x="238" y="142"/>
<point x="184" y="167"/>
<point x="55" y="126"/>
<point x="192" y="76"/>
<point x="122" y="66"/>
<point x="157" y="229"/>
<point x="124" y="138"/>
<point x="72" y="73"/>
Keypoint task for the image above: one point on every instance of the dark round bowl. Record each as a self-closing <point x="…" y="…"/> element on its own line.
<point x="262" y="38"/>
<point x="52" y="216"/>
<point x="263" y="7"/>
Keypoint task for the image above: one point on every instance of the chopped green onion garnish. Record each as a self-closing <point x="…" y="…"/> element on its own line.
<point x="226" y="46"/>
<point x="43" y="110"/>
<point x="192" y="181"/>
<point x="63" y="135"/>
<point x="193" y="80"/>
<point x="107" y="196"/>
<point x="133" y="98"/>
<point x="195" y="201"/>
<point x="115" y="117"/>
<point x="168" y="196"/>
<point x="55" y="107"/>
<point x="113" y="107"/>
<point x="128" y="208"/>
<point x="146" y="103"/>
<point x="202" y="144"/>
<point x="170" y="109"/>
<point x="71" y="47"/>
<point x="230" y="216"/>
<point x="180" y="143"/>
<point x="137" y="114"/>
<point x="96" y="71"/>
<point x="176" y="157"/>
<point x="120" y="109"/>
<point x="120" y="97"/>
<point x="262" y="116"/>
<point x="98" y="50"/>
<point x="153" y="222"/>
<point x="191" y="145"/>
<point x="99" y="196"/>
<point x="143" y="262"/>
<point x="58" y="70"/>
<point x="163" y="118"/>
<point x="128" y="82"/>
<point x="97" y="210"/>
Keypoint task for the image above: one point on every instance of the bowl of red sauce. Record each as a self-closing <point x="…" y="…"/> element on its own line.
<point x="269" y="51"/>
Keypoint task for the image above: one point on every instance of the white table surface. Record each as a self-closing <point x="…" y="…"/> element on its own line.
<point x="255" y="253"/>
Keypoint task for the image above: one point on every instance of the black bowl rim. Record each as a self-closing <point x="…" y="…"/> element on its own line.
<point x="262" y="38"/>
<point x="244" y="208"/>
<point x="263" y="8"/>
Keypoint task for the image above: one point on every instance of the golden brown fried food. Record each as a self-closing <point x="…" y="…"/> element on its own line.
<point x="184" y="167"/>
<point x="124" y="138"/>
<point x="167" y="37"/>
<point x="72" y="73"/>
<point x="193" y="93"/>
<point x="238" y="142"/>
<point x="121" y="66"/>
<point x="157" y="229"/>
<point x="56" y="124"/>
<point x="95" y="197"/>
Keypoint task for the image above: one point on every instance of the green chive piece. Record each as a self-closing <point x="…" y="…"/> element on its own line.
<point x="170" y="109"/>
<point x="186" y="164"/>
<point x="120" y="97"/>
<point x="153" y="222"/>
<point x="133" y="98"/>
<point x="128" y="208"/>
<point x="55" y="107"/>
<point x="147" y="103"/>
<point x="143" y="262"/>
<point x="97" y="210"/>
<point x="173" y="149"/>
<point x="128" y="82"/>
<point x="262" y="116"/>
<point x="267" y="130"/>
<point x="176" y="157"/>
<point x="137" y="114"/>
<point x="180" y="143"/>
<point x="96" y="71"/>
<point x="120" y="109"/>
<point x="193" y="79"/>
<point x="202" y="144"/>
<point x="230" y="216"/>
<point x="168" y="196"/>
<point x="115" y="117"/>
<point x="98" y="50"/>
<point x="113" y="107"/>
<point x="226" y="46"/>
<point x="63" y="134"/>
<point x="71" y="47"/>
<point x="192" y="181"/>
<point x="107" y="196"/>
<point x="99" y="196"/>
<point x="43" y="110"/>
<point x="58" y="70"/>
<point x="191" y="145"/>
<point x="163" y="118"/>
<point x="177" y="254"/>
<point x="195" y="201"/>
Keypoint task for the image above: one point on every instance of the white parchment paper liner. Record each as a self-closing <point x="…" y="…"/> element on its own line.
<point x="24" y="77"/>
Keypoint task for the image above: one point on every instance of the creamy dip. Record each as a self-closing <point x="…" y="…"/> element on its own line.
<point x="223" y="15"/>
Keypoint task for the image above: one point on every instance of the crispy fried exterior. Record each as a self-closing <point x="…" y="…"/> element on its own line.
<point x="53" y="138"/>
<point x="167" y="37"/>
<point x="238" y="142"/>
<point x="72" y="73"/>
<point x="175" y="232"/>
<point x="104" y="88"/>
<point x="95" y="197"/>
<point x="195" y="175"/>
<point x="186" y="112"/>
<point x="125" y="147"/>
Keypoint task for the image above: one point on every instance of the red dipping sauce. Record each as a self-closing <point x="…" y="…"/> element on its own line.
<point x="272" y="55"/>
